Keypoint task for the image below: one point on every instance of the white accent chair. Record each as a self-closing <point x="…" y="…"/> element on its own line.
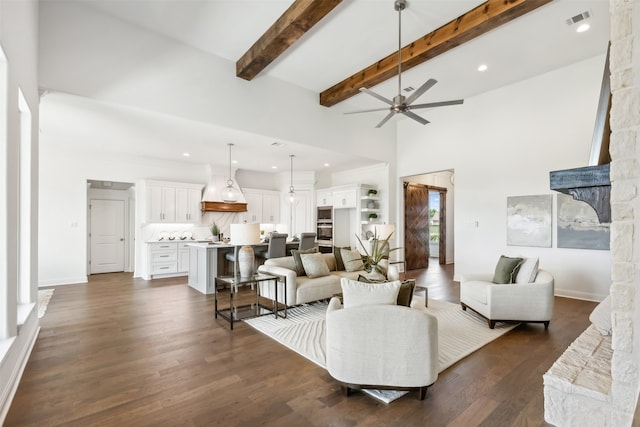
<point x="382" y="346"/>
<point x="522" y="302"/>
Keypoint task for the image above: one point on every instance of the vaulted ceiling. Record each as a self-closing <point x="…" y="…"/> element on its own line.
<point x="333" y="47"/>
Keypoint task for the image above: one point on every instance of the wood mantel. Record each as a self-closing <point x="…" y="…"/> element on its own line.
<point x="590" y="184"/>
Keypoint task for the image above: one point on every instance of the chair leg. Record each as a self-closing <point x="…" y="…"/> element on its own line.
<point x="346" y="390"/>
<point x="464" y="306"/>
<point x="422" y="392"/>
<point x="492" y="323"/>
<point x="546" y="324"/>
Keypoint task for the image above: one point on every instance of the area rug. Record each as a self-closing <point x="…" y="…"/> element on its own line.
<point x="460" y="333"/>
<point x="44" y="296"/>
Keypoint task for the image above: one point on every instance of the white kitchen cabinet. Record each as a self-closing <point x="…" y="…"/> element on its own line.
<point x="167" y="259"/>
<point x="345" y="198"/>
<point x="172" y="202"/>
<point x="263" y="206"/>
<point x="188" y="205"/>
<point x="324" y="197"/>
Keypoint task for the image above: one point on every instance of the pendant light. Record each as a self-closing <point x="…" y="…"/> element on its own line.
<point x="292" y="194"/>
<point x="229" y="194"/>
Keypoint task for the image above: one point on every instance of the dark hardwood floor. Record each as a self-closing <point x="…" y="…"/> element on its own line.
<point x="128" y="352"/>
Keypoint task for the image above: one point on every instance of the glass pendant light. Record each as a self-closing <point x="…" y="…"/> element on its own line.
<point x="229" y="194"/>
<point x="292" y="194"/>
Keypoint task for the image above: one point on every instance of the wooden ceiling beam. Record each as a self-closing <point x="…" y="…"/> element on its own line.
<point x="293" y="24"/>
<point x="483" y="18"/>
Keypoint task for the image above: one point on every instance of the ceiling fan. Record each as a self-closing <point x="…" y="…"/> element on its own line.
<point x="400" y="103"/>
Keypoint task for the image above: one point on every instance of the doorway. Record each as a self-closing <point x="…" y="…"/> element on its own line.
<point x="110" y="219"/>
<point x="428" y="219"/>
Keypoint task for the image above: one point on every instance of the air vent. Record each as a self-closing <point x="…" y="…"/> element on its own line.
<point x="580" y="17"/>
<point x="409" y="89"/>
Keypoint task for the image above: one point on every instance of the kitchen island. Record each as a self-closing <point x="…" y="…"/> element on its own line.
<point x="206" y="262"/>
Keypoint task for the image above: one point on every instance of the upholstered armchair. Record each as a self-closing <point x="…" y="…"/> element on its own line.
<point x="382" y="346"/>
<point x="529" y="299"/>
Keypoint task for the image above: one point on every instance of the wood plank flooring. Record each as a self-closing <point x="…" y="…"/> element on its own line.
<point x="120" y="351"/>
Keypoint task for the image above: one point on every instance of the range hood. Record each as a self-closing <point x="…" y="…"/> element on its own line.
<point x="592" y="184"/>
<point x="212" y="200"/>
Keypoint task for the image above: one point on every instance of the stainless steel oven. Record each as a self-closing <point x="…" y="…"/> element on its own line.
<point x="324" y="228"/>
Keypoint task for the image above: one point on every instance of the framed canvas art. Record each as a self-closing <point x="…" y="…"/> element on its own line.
<point x="579" y="227"/>
<point x="529" y="220"/>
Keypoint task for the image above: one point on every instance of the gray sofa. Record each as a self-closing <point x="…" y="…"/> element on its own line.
<point x="302" y="289"/>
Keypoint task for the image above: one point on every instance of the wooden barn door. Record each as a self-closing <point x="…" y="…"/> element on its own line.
<point x="416" y="226"/>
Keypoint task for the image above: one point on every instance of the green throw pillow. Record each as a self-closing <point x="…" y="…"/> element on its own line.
<point x="338" y="255"/>
<point x="506" y="270"/>
<point x="405" y="294"/>
<point x="296" y="258"/>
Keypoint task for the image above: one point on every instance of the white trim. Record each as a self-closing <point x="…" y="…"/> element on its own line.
<point x="67" y="281"/>
<point x="11" y="386"/>
<point x="586" y="296"/>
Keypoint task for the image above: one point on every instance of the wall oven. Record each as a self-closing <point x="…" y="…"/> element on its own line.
<point x="324" y="228"/>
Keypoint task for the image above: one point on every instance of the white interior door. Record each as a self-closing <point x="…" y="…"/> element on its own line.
<point x="107" y="236"/>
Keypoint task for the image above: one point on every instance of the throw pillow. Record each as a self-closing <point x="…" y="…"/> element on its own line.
<point x="528" y="270"/>
<point x="298" y="261"/>
<point x="405" y="294"/>
<point x="600" y="317"/>
<point x="506" y="270"/>
<point x="356" y="293"/>
<point x="314" y="265"/>
<point x="352" y="260"/>
<point x="338" y="255"/>
<point x="365" y="279"/>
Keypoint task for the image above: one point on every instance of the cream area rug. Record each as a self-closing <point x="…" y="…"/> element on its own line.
<point x="44" y="296"/>
<point x="460" y="333"/>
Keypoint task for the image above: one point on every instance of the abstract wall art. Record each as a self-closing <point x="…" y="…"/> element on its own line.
<point x="529" y="220"/>
<point x="579" y="227"/>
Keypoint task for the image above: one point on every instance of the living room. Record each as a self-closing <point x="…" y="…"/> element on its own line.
<point x="501" y="143"/>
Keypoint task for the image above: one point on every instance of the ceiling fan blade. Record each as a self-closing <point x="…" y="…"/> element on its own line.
<point x="415" y="117"/>
<point x="368" y="111"/>
<point x="422" y="89"/>
<point x="386" y="119"/>
<point x="437" y="104"/>
<point x="375" y="95"/>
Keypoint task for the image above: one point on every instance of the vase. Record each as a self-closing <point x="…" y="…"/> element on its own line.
<point x="375" y="276"/>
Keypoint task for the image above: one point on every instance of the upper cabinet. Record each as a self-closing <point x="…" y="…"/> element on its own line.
<point x="324" y="197"/>
<point x="172" y="202"/>
<point x="263" y="206"/>
<point x="345" y="198"/>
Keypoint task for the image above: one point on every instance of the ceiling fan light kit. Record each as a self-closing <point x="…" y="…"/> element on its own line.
<point x="400" y="103"/>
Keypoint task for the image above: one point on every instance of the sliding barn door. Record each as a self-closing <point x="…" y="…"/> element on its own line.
<point x="416" y="226"/>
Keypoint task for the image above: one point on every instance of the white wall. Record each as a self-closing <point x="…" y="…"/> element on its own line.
<point x="505" y="143"/>
<point x="63" y="194"/>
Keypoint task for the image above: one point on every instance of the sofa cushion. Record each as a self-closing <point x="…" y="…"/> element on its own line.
<point x="356" y="293"/>
<point x="338" y="255"/>
<point x="506" y="270"/>
<point x="600" y="317"/>
<point x="316" y="289"/>
<point x="352" y="260"/>
<point x="284" y="262"/>
<point x="298" y="261"/>
<point x="528" y="270"/>
<point x="314" y="265"/>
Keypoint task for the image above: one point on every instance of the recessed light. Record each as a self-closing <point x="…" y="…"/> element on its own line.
<point x="582" y="28"/>
<point x="234" y="162"/>
<point x="274" y="167"/>
<point x="326" y="165"/>
<point x="186" y="154"/>
<point x="482" y="67"/>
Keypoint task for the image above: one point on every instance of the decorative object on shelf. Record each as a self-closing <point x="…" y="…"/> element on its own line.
<point x="400" y="104"/>
<point x="229" y="194"/>
<point x="373" y="216"/>
<point x="380" y="250"/>
<point x="372" y="192"/>
<point x="245" y="235"/>
<point x="292" y="194"/>
<point x="371" y="204"/>
<point x="215" y="232"/>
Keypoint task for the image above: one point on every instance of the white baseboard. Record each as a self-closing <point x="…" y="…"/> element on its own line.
<point x="586" y="296"/>
<point x="18" y="356"/>
<point x="65" y="281"/>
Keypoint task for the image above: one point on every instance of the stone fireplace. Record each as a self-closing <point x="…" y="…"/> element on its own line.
<point x="615" y="405"/>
